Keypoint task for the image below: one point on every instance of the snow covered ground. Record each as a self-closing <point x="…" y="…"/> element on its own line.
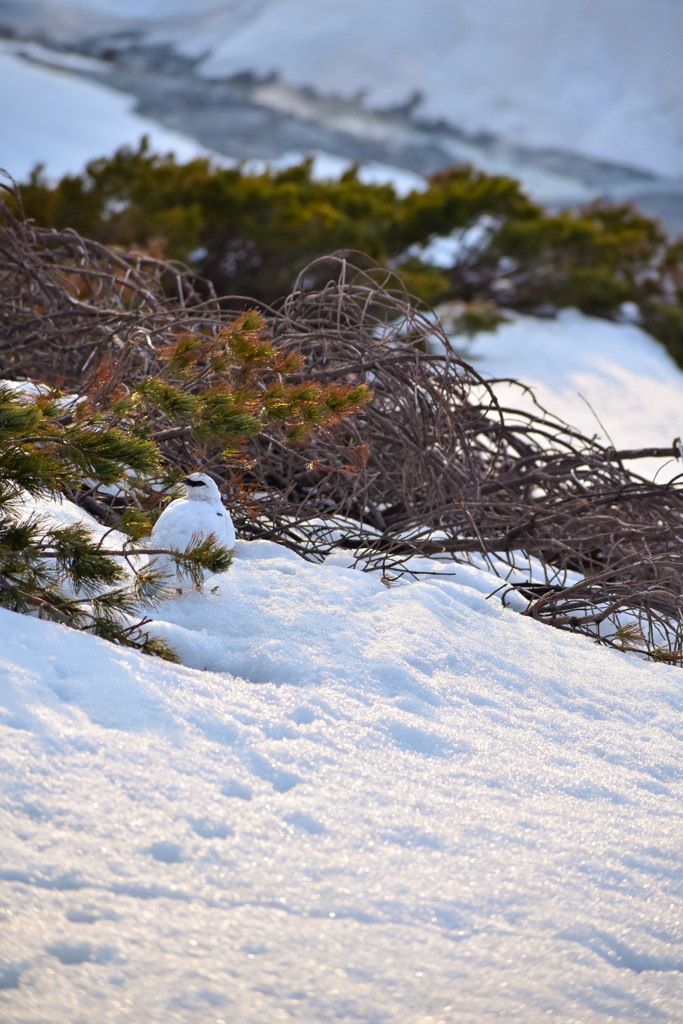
<point x="609" y="379"/>
<point x="391" y="805"/>
<point x="63" y="121"/>
<point x="599" y="79"/>
<point x="576" y="100"/>
<point x="353" y="802"/>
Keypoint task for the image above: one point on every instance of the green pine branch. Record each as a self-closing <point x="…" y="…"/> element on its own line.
<point x="210" y="394"/>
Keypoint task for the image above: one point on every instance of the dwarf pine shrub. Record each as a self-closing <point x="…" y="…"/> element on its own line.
<point x="197" y="398"/>
<point x="251" y="234"/>
<point x="62" y="572"/>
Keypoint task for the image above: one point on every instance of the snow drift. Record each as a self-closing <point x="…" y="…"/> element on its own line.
<point x="389" y="805"/>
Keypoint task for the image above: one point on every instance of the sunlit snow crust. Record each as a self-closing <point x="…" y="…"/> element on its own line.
<point x="413" y="805"/>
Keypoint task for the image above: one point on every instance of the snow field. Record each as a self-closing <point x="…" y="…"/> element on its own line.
<point x="608" y="379"/>
<point x="602" y="79"/>
<point x="64" y="121"/>
<point x="390" y="804"/>
<point x="599" y="80"/>
<point x="86" y="120"/>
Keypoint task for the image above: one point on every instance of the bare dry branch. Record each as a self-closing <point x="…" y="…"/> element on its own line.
<point x="433" y="465"/>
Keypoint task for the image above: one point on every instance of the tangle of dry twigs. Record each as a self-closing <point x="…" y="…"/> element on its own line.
<point x="433" y="465"/>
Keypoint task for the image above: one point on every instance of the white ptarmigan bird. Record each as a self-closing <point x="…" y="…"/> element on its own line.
<point x="196" y="516"/>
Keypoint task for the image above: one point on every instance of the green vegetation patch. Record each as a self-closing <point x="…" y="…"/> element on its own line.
<point x="252" y="234"/>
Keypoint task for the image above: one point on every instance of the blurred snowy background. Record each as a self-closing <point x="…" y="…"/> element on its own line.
<point x="577" y="99"/>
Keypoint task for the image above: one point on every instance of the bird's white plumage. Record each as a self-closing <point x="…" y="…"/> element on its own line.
<point x="195" y="517"/>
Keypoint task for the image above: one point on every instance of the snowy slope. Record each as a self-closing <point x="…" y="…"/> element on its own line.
<point x="604" y="80"/>
<point x="64" y="121"/>
<point x="84" y="120"/>
<point x="397" y="805"/>
<point x="605" y="378"/>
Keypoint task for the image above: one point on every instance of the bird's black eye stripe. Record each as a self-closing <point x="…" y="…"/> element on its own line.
<point x="195" y="483"/>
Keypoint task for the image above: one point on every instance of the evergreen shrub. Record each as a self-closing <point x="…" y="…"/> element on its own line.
<point x="252" y="234"/>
